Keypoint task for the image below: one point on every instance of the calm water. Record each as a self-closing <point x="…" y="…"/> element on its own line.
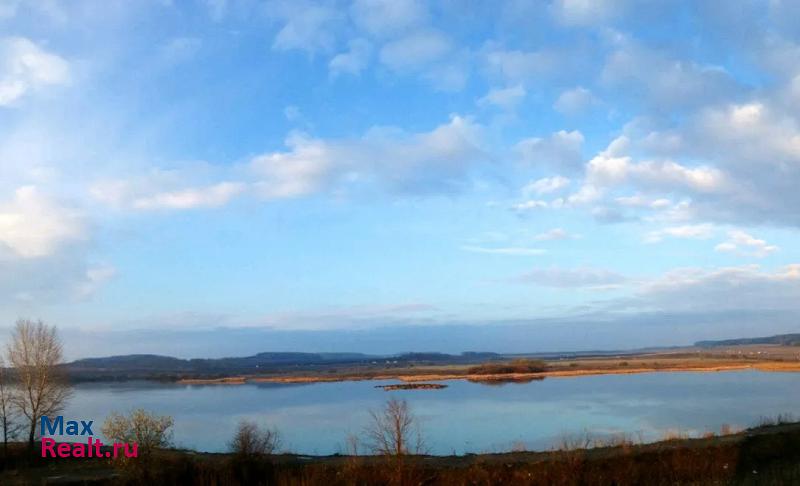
<point x="465" y="417"/>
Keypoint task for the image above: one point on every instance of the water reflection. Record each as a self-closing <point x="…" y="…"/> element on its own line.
<point x="464" y="417"/>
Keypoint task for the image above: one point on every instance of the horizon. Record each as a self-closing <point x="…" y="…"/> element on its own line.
<point x="386" y="347"/>
<point x="397" y="175"/>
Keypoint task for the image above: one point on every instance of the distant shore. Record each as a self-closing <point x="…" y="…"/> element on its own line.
<point x="625" y="366"/>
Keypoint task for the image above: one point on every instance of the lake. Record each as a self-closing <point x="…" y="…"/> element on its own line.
<point x="463" y="418"/>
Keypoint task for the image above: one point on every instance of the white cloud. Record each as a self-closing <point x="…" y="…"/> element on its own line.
<point x="562" y="150"/>
<point x="692" y="231"/>
<point x="353" y="61"/>
<point x="95" y="278"/>
<point x="727" y="288"/>
<point x="203" y="197"/>
<point x="614" y="169"/>
<point x="530" y="205"/>
<point x="586" y="12"/>
<point x="509" y="251"/>
<point x="182" y="188"/>
<point x="586" y="277"/>
<point x="546" y="185"/>
<point x="33" y="226"/>
<point x="382" y="18"/>
<point x="306" y="25"/>
<point x="415" y="51"/>
<point x="755" y="151"/>
<point x="663" y="81"/>
<point x="745" y="244"/>
<point x="752" y="132"/>
<point x="431" y="55"/>
<point x="640" y="201"/>
<point x="303" y="170"/>
<point x="516" y="66"/>
<point x="574" y="101"/>
<point x="26" y="67"/>
<point x="434" y="161"/>
<point x="506" y="98"/>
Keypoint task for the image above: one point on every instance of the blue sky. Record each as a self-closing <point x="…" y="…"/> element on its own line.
<point x="394" y="175"/>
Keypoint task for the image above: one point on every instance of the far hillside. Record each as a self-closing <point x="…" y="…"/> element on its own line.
<point x="780" y="339"/>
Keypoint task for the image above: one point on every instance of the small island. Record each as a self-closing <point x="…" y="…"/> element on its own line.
<point x="412" y="386"/>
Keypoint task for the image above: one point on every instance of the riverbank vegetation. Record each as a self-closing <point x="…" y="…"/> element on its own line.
<point x="768" y="454"/>
<point x="510" y="367"/>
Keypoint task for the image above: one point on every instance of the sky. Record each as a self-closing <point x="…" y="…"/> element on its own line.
<point x="223" y="177"/>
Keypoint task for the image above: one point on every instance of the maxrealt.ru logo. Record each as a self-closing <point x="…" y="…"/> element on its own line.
<point x="79" y="428"/>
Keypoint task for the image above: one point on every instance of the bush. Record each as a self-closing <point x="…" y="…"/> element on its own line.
<point x="510" y="367"/>
<point x="147" y="430"/>
<point x="252" y="440"/>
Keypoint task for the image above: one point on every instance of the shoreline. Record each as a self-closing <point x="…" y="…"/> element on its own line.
<point x="494" y="378"/>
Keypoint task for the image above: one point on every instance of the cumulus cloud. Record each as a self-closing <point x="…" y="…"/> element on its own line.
<point x="382" y="18"/>
<point x="415" y="51"/>
<point x="580" y="277"/>
<point x="506" y="98"/>
<point x="514" y="66"/>
<point x="304" y="169"/>
<point x="755" y="151"/>
<point x="530" y="205"/>
<point x="640" y="201"/>
<point x="574" y="101"/>
<point x="744" y="244"/>
<point x="561" y="150"/>
<point x="306" y="25"/>
<point x="353" y="61"/>
<point x="430" y="55"/>
<point x="165" y="190"/>
<point x="438" y="160"/>
<point x="205" y="197"/>
<point x="666" y="82"/>
<point x="726" y="288"/>
<point x="30" y="284"/>
<point x="692" y="231"/>
<point x="25" y="67"/>
<point x="546" y="185"/>
<point x="586" y="12"/>
<point x="33" y="225"/>
<point x="613" y="172"/>
<point x="613" y="167"/>
<point x="94" y="278"/>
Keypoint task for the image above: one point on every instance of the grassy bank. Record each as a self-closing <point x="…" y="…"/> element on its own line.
<point x="768" y="454"/>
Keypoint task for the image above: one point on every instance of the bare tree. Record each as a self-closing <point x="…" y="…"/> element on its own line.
<point x="35" y="352"/>
<point x="7" y="422"/>
<point x="394" y="430"/>
<point x="252" y="440"/>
